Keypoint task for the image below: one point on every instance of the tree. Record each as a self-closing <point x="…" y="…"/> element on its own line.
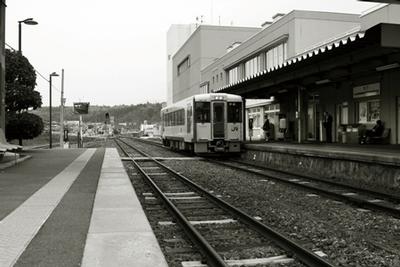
<point x="20" y="98"/>
<point x="23" y="125"/>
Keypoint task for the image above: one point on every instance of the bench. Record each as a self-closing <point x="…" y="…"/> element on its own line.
<point x="383" y="139"/>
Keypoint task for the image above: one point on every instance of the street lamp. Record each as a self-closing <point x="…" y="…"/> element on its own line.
<point x="50" y="136"/>
<point x="28" y="21"/>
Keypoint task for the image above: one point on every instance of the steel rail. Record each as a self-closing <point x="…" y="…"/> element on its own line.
<point x="304" y="255"/>
<point x="213" y="258"/>
<point x="359" y="202"/>
<point x="383" y="195"/>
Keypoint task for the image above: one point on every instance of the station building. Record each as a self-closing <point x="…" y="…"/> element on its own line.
<point x="206" y="44"/>
<point x="2" y="63"/>
<point x="177" y="34"/>
<point x="305" y="63"/>
<point x="354" y="76"/>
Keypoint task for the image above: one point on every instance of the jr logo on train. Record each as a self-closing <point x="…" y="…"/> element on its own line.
<point x="205" y="123"/>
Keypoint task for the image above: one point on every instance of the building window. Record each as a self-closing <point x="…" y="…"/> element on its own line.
<point x="233" y="75"/>
<point x="252" y="66"/>
<point x="204" y="88"/>
<point x="213" y="79"/>
<point x="184" y="65"/>
<point x="216" y="77"/>
<point x="275" y="56"/>
<point x="369" y="111"/>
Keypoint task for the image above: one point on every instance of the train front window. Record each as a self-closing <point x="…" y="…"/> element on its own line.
<point x="234" y="112"/>
<point x="202" y="112"/>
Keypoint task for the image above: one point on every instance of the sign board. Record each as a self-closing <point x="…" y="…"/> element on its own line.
<point x="81" y="108"/>
<point x="371" y="89"/>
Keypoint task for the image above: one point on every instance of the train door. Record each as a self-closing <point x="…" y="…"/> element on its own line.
<point x="218" y="125"/>
<point x="311" y="121"/>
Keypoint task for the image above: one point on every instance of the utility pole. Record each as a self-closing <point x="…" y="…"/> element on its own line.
<point x="62" y="111"/>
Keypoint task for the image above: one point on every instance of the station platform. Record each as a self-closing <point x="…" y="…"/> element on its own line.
<point x="72" y="207"/>
<point x="384" y="154"/>
<point x="375" y="167"/>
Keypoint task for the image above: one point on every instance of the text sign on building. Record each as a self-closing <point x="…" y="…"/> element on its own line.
<point x="366" y="90"/>
<point x="81" y="108"/>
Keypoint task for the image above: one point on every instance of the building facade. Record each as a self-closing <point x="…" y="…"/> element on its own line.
<point x="2" y="63"/>
<point x="354" y="76"/>
<point x="206" y="44"/>
<point x="285" y="37"/>
<point x="176" y="36"/>
<point x="306" y="63"/>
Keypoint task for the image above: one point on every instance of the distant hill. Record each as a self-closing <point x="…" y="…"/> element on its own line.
<point x="134" y="114"/>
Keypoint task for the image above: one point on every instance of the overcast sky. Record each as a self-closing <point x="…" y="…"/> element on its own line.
<point x="114" y="52"/>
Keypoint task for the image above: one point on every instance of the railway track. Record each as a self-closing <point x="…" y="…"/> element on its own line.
<point x="217" y="228"/>
<point x="362" y="198"/>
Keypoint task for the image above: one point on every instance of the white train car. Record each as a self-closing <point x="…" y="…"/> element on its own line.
<point x="205" y="123"/>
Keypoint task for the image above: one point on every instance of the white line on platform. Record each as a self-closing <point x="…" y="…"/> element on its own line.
<point x="119" y="232"/>
<point x="20" y="227"/>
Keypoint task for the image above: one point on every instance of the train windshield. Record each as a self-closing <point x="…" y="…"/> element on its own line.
<point x="202" y="112"/>
<point x="234" y="112"/>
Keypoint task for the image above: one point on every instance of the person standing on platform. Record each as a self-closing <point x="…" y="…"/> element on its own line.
<point x="266" y="128"/>
<point x="327" y="123"/>
<point x="250" y="128"/>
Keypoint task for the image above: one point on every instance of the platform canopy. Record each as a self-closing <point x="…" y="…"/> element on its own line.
<point x="352" y="56"/>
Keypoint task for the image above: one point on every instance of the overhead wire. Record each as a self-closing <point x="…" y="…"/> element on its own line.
<point x="37" y="72"/>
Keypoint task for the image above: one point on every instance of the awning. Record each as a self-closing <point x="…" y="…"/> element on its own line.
<point x="348" y="50"/>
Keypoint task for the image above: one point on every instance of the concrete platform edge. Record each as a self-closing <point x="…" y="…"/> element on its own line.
<point x="14" y="162"/>
<point x="119" y="232"/>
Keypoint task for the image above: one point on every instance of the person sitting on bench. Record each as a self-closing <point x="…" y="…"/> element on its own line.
<point x="376" y="131"/>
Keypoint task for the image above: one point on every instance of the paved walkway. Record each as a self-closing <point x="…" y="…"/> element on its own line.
<point x="54" y="211"/>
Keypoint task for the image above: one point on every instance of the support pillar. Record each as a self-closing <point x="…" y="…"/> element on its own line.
<point x="2" y="64"/>
<point x="298" y="115"/>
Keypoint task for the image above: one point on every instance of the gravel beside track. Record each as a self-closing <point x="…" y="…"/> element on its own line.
<point x="349" y="237"/>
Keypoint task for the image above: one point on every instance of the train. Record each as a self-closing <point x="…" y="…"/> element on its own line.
<point x="204" y="123"/>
